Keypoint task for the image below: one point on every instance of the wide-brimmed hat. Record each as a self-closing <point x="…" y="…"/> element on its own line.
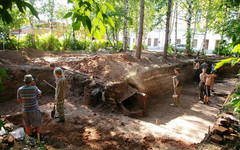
<point x="28" y="78"/>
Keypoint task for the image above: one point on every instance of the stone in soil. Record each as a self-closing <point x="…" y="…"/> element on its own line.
<point x="220" y="130"/>
<point x="216" y="139"/>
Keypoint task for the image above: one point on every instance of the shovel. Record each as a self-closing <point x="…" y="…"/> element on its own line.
<point x="174" y="95"/>
<point x="53" y="112"/>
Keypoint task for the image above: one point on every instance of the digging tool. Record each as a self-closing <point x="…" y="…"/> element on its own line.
<point x="54" y="110"/>
<point x="174" y="95"/>
<point x="49" y="84"/>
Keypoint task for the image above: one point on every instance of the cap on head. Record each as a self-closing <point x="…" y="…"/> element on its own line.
<point x="52" y="64"/>
<point x="58" y="71"/>
<point x="28" y="78"/>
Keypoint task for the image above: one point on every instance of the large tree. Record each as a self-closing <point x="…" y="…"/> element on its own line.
<point x="189" y="21"/>
<point x="140" y="30"/>
<point x="167" y="28"/>
<point x="125" y="30"/>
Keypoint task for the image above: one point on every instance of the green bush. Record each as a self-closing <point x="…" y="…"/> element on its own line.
<point x="82" y="45"/>
<point x="28" y="41"/>
<point x="170" y="49"/>
<point x="104" y="44"/>
<point x="12" y="43"/>
<point x="94" y="47"/>
<point x="119" y="45"/>
<point x="67" y="44"/>
<point x="143" y="46"/>
<point x="49" y="42"/>
<point x="224" y="49"/>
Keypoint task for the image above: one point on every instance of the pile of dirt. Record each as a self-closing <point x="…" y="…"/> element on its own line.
<point x="32" y="53"/>
<point x="10" y="57"/>
<point x="116" y="67"/>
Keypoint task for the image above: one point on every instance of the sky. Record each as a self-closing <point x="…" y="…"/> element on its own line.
<point x="62" y="2"/>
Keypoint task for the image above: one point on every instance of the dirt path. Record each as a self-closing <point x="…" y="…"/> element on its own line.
<point x="188" y="123"/>
<point x="89" y="128"/>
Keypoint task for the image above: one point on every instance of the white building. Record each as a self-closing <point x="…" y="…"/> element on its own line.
<point x="156" y="38"/>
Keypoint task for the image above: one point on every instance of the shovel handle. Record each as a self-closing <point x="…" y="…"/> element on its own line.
<point x="49" y="84"/>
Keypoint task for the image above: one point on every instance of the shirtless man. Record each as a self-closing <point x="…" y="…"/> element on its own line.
<point x="202" y="84"/>
<point x="208" y="84"/>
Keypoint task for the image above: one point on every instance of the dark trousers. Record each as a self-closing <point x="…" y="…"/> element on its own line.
<point x="196" y="77"/>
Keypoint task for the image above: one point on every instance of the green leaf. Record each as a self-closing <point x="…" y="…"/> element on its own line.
<point x="4" y="73"/>
<point x="103" y="8"/>
<point x="67" y="15"/>
<point x="95" y="22"/>
<point x="236" y="49"/>
<point x="109" y="6"/>
<point x="234" y="102"/>
<point x="102" y="27"/>
<point x="99" y="15"/>
<point x="7" y="17"/>
<point x="34" y="12"/>
<point x="222" y="62"/>
<point x="111" y="22"/>
<point x="20" y="6"/>
<point x="76" y="25"/>
<point x="97" y="35"/>
<point x="88" y="22"/>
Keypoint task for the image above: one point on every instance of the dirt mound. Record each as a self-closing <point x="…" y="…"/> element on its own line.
<point x="117" y="67"/>
<point x="107" y="67"/>
<point x="10" y="57"/>
<point x="32" y="53"/>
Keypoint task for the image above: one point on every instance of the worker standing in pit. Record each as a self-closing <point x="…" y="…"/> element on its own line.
<point x="60" y="94"/>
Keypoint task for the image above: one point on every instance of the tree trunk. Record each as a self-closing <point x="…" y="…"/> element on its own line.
<point x="189" y="20"/>
<point x="171" y="24"/>
<point x="51" y="12"/>
<point x="31" y="21"/>
<point x="136" y="25"/>
<point x="73" y="39"/>
<point x="140" y="31"/>
<point x="195" y="26"/>
<point x="223" y="27"/>
<point x="206" y="28"/>
<point x="125" y="31"/>
<point x="167" y="28"/>
<point x="176" y="22"/>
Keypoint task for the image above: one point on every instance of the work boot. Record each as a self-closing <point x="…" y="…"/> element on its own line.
<point x="204" y="102"/>
<point x="60" y="120"/>
<point x="173" y="105"/>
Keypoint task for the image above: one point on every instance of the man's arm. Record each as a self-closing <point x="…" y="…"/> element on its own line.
<point x="19" y="100"/>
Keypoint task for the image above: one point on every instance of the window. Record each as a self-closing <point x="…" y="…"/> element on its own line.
<point x="133" y="40"/>
<point x="199" y="16"/>
<point x="195" y="43"/>
<point x="206" y="44"/>
<point x="217" y="43"/>
<point x="149" y="41"/>
<point x="178" y="41"/>
<point x="181" y="15"/>
<point x="155" y="42"/>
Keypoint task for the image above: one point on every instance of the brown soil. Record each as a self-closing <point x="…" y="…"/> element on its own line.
<point x="164" y="127"/>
